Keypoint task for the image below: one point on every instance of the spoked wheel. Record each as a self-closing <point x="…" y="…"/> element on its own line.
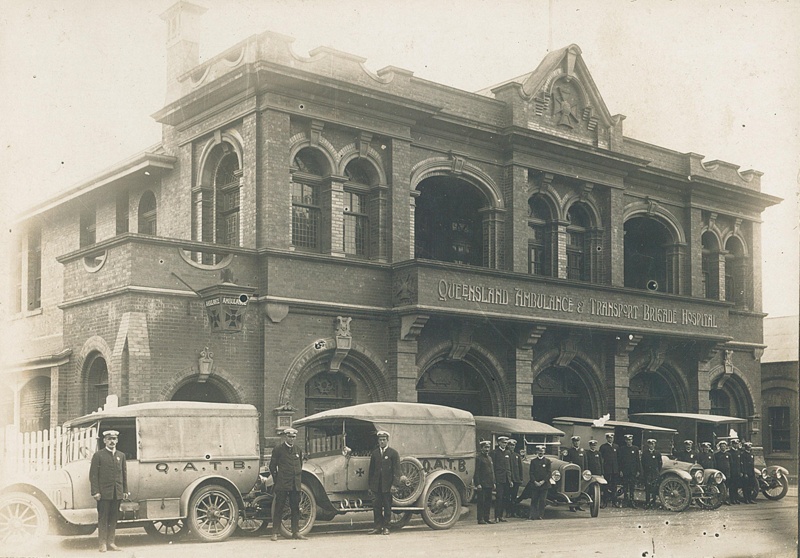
<point x="399" y="520"/>
<point x="777" y="489"/>
<point x="23" y="520"/>
<point x="308" y="513"/>
<point x="675" y="494"/>
<point x="595" y="509"/>
<point x="711" y="498"/>
<point x="167" y="529"/>
<point x="213" y="512"/>
<point x="442" y="505"/>
<point x="412" y="482"/>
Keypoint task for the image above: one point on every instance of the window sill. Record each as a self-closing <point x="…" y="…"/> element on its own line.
<point x="27" y="314"/>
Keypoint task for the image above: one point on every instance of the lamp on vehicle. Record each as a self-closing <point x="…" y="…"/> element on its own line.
<point x="226" y="305"/>
<point x="587" y="475"/>
<point x="556" y="476"/>
<point x="698" y="476"/>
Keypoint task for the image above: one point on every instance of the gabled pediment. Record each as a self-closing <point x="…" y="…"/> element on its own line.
<point x="561" y="97"/>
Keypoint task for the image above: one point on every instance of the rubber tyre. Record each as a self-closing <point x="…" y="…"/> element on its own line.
<point x="400" y="520"/>
<point x="24" y="520"/>
<point x="674" y="493"/>
<point x="711" y="498"/>
<point x="213" y="512"/>
<point x="595" y="509"/>
<point x="412" y="476"/>
<point x="167" y="529"/>
<point x="441" y="505"/>
<point x="308" y="513"/>
<point x="777" y="492"/>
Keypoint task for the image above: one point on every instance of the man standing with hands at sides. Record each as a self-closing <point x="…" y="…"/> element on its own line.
<point x="575" y="455"/>
<point x="749" y="483"/>
<point x="286" y="465"/>
<point x="516" y="478"/>
<point x="384" y="470"/>
<point x="609" y="452"/>
<point x="705" y="458"/>
<point x="594" y="461"/>
<point x="630" y="467"/>
<point x="108" y="477"/>
<point x="484" y="482"/>
<point x="540" y="471"/>
<point x="651" y="466"/>
<point x="503" y="476"/>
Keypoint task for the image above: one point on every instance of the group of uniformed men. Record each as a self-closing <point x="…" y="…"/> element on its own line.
<point x="501" y="470"/>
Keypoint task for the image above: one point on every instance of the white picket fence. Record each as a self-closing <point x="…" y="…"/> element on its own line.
<point x="45" y="450"/>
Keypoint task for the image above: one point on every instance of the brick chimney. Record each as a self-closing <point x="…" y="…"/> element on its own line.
<point x="183" y="48"/>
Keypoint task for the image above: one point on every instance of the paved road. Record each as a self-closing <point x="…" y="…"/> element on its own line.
<point x="768" y="529"/>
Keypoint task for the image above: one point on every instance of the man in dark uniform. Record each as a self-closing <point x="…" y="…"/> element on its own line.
<point x="575" y="455"/>
<point x="286" y="465"/>
<point x="629" y="468"/>
<point x="503" y="476"/>
<point x="108" y="479"/>
<point x="736" y="471"/>
<point x="722" y="461"/>
<point x="651" y="468"/>
<point x="540" y="471"/>
<point x="484" y="482"/>
<point x="609" y="453"/>
<point x="749" y="482"/>
<point x="516" y="475"/>
<point x="705" y="458"/>
<point x="687" y="454"/>
<point x="594" y="461"/>
<point x="383" y="476"/>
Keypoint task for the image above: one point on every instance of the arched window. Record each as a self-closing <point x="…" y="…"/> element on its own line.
<point x="455" y="384"/>
<point x="96" y="383"/>
<point x="148" y="214"/>
<point x="355" y="225"/>
<point x="647" y="247"/>
<point x="710" y="265"/>
<point x="326" y="391"/>
<point x="448" y="223"/>
<point x="34" y="412"/>
<point x="226" y="187"/>
<point x="540" y="242"/>
<point x="577" y="243"/>
<point x="736" y="272"/>
<point x="309" y="168"/>
<point x="649" y="392"/>
<point x="560" y="392"/>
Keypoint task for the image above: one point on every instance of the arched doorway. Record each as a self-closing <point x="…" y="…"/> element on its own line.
<point x="729" y="397"/>
<point x="560" y="392"/>
<point x="649" y="392"/>
<point x="448" y="223"/>
<point x="206" y="392"/>
<point x="455" y="384"/>
<point x="96" y="382"/>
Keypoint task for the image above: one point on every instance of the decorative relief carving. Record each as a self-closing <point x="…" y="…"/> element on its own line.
<point x="344" y="341"/>
<point x="462" y="339"/>
<point x="567" y="350"/>
<point x="565" y="106"/>
<point x="205" y="364"/>
<point x="405" y="289"/>
<point x="657" y="354"/>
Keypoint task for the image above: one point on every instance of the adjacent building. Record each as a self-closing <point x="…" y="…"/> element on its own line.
<point x="309" y="234"/>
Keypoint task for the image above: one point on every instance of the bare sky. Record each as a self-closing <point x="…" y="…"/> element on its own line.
<point x="81" y="77"/>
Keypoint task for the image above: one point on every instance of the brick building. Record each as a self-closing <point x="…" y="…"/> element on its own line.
<point x="508" y="251"/>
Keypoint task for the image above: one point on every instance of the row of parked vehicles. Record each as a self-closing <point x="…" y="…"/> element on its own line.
<point x="196" y="468"/>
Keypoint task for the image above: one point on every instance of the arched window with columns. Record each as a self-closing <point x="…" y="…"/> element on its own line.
<point x="736" y="273"/>
<point x="540" y="242"/>
<point x="308" y="223"/>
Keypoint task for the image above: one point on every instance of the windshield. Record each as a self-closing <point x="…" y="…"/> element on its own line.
<point x="81" y="442"/>
<point x="334" y="435"/>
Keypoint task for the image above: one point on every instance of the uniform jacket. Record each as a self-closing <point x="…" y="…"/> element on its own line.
<point x="748" y="464"/>
<point x="516" y="470"/>
<point x="502" y="466"/>
<point x="540" y="469"/>
<point x="722" y="461"/>
<point x="651" y="464"/>
<point x="688" y="456"/>
<point x="576" y="456"/>
<point x="594" y="462"/>
<point x="108" y="474"/>
<point x="736" y="462"/>
<point x="629" y="462"/>
<point x="484" y="471"/>
<point x="610" y="455"/>
<point x="285" y="465"/>
<point x="705" y="460"/>
<point x="384" y="470"/>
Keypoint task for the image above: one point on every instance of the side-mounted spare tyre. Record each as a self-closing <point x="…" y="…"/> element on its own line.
<point x="412" y="482"/>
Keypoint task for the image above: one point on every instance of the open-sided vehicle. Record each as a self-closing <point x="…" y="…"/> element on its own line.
<point x="188" y="464"/>
<point x="773" y="481"/>
<point x="680" y="483"/>
<point x="437" y="450"/>
<point x="569" y="486"/>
